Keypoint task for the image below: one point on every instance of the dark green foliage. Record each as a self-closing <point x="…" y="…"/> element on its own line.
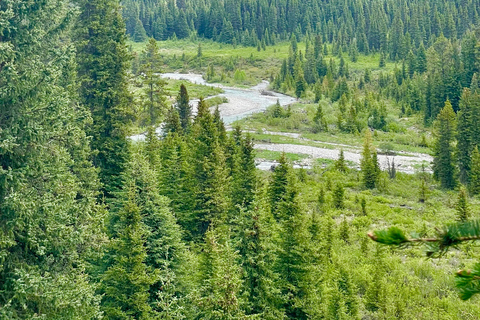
<point x="50" y="224"/>
<point x="153" y="100"/>
<point x="340" y="164"/>
<point x="338" y="196"/>
<point x="278" y="189"/>
<point x="126" y="282"/>
<point x="443" y="163"/>
<point x="139" y="34"/>
<point x="184" y="109"/>
<point x="320" y="123"/>
<point x="221" y="282"/>
<point x="474" y="185"/>
<point x="102" y="64"/>
<point x="463" y="212"/>
<point x="369" y="163"/>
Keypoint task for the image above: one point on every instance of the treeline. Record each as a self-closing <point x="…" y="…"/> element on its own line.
<point x="388" y="26"/>
<point x="420" y="83"/>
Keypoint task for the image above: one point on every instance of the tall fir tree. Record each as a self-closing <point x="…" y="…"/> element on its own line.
<point x="184" y="109"/>
<point x="127" y="281"/>
<point x="368" y="162"/>
<point x="102" y="65"/>
<point x="50" y="225"/>
<point x="474" y="177"/>
<point x="154" y="104"/>
<point x="443" y="161"/>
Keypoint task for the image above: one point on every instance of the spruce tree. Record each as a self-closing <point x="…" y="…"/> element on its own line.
<point x="474" y="185"/>
<point x="154" y="104"/>
<point x="277" y="189"/>
<point x="50" y="225"/>
<point x="127" y="281"/>
<point x="102" y="65"/>
<point x="368" y="163"/>
<point x="184" y="109"/>
<point x="320" y="123"/>
<point x="338" y="196"/>
<point x="340" y="163"/>
<point x="443" y="161"/>
<point x="220" y="283"/>
<point x="463" y="212"/>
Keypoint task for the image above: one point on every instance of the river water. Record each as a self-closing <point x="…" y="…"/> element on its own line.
<point x="241" y="102"/>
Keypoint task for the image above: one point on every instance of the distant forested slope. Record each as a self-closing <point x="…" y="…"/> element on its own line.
<point x="390" y="26"/>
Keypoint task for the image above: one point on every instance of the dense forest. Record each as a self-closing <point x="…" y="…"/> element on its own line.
<point x="182" y="224"/>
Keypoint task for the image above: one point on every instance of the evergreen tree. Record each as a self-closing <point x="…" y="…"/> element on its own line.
<point x="368" y="163"/>
<point x="221" y="282"/>
<point x="474" y="177"/>
<point x="320" y="123"/>
<point x="338" y="196"/>
<point x="463" y="212"/>
<point x="127" y="281"/>
<point x="443" y="162"/>
<point x="183" y="107"/>
<point x="172" y="122"/>
<point x="277" y="189"/>
<point x="154" y="96"/>
<point x="257" y="249"/>
<point x="139" y="34"/>
<point x="102" y="64"/>
<point x="294" y="258"/>
<point x="50" y="224"/>
<point x="340" y="163"/>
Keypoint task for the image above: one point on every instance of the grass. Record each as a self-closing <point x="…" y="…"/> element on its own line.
<point x="275" y="155"/>
<point x="181" y="55"/>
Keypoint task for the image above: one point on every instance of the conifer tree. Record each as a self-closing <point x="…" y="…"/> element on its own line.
<point x="443" y="162"/>
<point x="277" y="189"/>
<point x="127" y="281"/>
<point x="319" y="119"/>
<point x="183" y="107"/>
<point x="338" y="196"/>
<point x="294" y="258"/>
<point x="210" y="171"/>
<point x="368" y="163"/>
<point x="221" y="283"/>
<point x="463" y="212"/>
<point x="258" y="251"/>
<point x="102" y="65"/>
<point x="50" y="225"/>
<point x="172" y="122"/>
<point x="474" y="185"/>
<point x="340" y="163"/>
<point x="154" y="104"/>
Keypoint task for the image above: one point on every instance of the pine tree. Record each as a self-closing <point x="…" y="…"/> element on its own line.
<point x="183" y="107"/>
<point x="463" y="212"/>
<point x="294" y="258"/>
<point x="154" y="96"/>
<point x="258" y="251"/>
<point x="210" y="172"/>
<point x="340" y="163"/>
<point x="127" y="281"/>
<point x="474" y="185"/>
<point x="102" y="65"/>
<point x="277" y="189"/>
<point x="368" y="164"/>
<point x="443" y="162"/>
<point x="172" y="122"/>
<point x="338" y="196"/>
<point x="465" y="132"/>
<point x="139" y="34"/>
<point x="319" y="120"/>
<point x="221" y="282"/>
<point x="50" y="223"/>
